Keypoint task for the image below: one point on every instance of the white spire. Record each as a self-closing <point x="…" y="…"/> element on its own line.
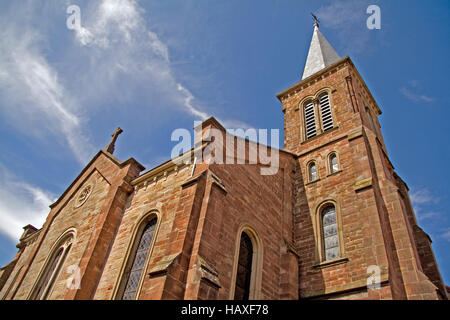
<point x="321" y="54"/>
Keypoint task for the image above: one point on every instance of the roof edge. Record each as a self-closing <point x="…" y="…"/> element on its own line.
<point x="109" y="156"/>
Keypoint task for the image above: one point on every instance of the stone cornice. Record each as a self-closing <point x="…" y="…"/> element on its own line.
<point x="299" y="86"/>
<point x="166" y="167"/>
<point x="315" y="148"/>
<point x="217" y="181"/>
<point x="29" y="239"/>
<point x="313" y="78"/>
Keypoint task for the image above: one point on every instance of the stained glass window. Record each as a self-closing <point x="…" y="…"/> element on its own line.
<point x="244" y="269"/>
<point x="139" y="259"/>
<point x="330" y="233"/>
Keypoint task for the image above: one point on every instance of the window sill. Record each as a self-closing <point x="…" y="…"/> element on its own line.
<point x="330" y="263"/>
<point x="312" y="182"/>
<point x="334" y="174"/>
<point x="319" y="135"/>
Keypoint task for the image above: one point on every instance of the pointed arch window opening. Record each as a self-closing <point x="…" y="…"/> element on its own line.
<point x="140" y="255"/>
<point x="53" y="270"/>
<point x="244" y="268"/>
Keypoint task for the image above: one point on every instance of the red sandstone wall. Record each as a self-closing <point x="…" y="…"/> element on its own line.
<point x="374" y="222"/>
<point x="102" y="173"/>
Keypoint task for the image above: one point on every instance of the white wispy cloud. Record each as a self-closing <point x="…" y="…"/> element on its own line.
<point x="424" y="203"/>
<point x="446" y="235"/>
<point x="21" y="204"/>
<point x="348" y="19"/>
<point x="413" y="92"/>
<point x="52" y="80"/>
<point x="428" y="215"/>
<point x="120" y="46"/>
<point x="32" y="94"/>
<point x="422" y="196"/>
<point x="114" y="58"/>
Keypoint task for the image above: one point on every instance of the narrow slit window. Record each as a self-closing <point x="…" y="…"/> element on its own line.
<point x="310" y="120"/>
<point x="133" y="277"/>
<point x="325" y="110"/>
<point x="330" y="233"/>
<point x="244" y="269"/>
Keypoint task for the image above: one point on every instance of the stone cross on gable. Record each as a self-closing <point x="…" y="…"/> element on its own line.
<point x="110" y="147"/>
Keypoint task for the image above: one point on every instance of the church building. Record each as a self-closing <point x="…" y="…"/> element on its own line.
<point x="334" y="222"/>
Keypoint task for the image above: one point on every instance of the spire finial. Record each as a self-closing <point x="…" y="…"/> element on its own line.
<point x="316" y="20"/>
<point x="321" y="54"/>
<point x="110" y="147"/>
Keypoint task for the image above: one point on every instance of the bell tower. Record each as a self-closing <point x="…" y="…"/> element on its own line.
<point x="354" y="224"/>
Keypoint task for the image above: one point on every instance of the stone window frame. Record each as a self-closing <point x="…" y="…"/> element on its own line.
<point x="320" y="236"/>
<point x="257" y="262"/>
<point x="329" y="166"/>
<point x="319" y="95"/>
<point x="65" y="242"/>
<point x="308" y="171"/>
<point x="127" y="262"/>
<point x="318" y="115"/>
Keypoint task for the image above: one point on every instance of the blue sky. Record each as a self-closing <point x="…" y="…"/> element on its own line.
<point x="153" y="66"/>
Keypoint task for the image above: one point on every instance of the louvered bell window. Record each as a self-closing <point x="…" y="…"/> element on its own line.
<point x="244" y="269"/>
<point x="325" y="110"/>
<point x="310" y="120"/>
<point x="140" y="257"/>
<point x="330" y="233"/>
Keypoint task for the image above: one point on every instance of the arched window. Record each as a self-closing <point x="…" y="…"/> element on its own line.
<point x="132" y="276"/>
<point x="312" y="170"/>
<point x="325" y="111"/>
<point x="334" y="166"/>
<point x="310" y="120"/>
<point x="244" y="269"/>
<point x="52" y="267"/>
<point x="330" y="233"/>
